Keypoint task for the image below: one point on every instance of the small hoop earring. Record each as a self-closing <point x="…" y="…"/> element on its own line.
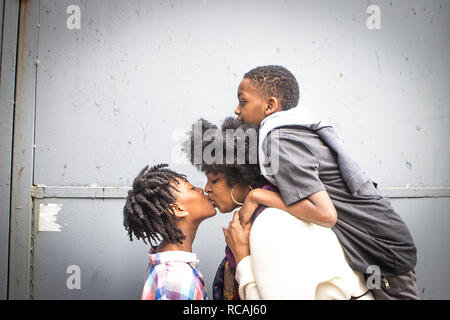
<point x="232" y="198"/>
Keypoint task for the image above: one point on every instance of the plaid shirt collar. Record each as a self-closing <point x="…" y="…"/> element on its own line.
<point x="169" y="256"/>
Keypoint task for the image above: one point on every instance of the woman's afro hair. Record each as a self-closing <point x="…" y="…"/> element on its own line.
<point x="241" y="139"/>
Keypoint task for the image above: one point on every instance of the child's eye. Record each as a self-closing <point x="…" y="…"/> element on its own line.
<point x="214" y="181"/>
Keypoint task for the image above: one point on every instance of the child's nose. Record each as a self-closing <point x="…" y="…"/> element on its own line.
<point x="237" y="111"/>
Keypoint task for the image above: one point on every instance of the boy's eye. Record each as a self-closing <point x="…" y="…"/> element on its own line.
<point x="214" y="181"/>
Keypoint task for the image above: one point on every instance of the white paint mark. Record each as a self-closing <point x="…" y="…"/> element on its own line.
<point x="374" y="20"/>
<point x="373" y="281"/>
<point x="74" y="280"/>
<point x="47" y="217"/>
<point x="74" y="20"/>
<point x="378" y="61"/>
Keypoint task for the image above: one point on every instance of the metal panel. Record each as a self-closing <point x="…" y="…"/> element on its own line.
<point x="22" y="169"/>
<point x="428" y="220"/>
<point x="41" y="191"/>
<point x="111" y="267"/>
<point x="160" y="65"/>
<point x="2" y="5"/>
<point x="112" y="96"/>
<point x="5" y="151"/>
<point x="412" y="204"/>
<point x="8" y="30"/>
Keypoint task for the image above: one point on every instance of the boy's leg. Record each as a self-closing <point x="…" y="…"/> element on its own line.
<point x="401" y="287"/>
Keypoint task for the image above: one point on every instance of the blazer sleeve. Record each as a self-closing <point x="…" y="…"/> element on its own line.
<point x="244" y="277"/>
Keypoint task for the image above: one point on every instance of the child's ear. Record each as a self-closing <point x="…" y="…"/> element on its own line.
<point x="180" y="212"/>
<point x="273" y="105"/>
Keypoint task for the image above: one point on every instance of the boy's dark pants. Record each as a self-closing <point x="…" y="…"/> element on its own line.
<point x="401" y="287"/>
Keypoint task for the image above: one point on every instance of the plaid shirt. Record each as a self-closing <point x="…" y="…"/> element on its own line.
<point x="174" y="275"/>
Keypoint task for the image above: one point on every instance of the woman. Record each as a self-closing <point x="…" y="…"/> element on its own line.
<point x="276" y="256"/>
<point x="163" y="205"/>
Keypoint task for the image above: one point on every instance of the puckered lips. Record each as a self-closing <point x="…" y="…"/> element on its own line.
<point x="212" y="201"/>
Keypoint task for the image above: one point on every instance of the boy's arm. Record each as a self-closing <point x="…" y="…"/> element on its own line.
<point x="317" y="208"/>
<point x="302" y="193"/>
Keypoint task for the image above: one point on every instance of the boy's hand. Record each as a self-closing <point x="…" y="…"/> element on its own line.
<point x="247" y="209"/>
<point x="238" y="238"/>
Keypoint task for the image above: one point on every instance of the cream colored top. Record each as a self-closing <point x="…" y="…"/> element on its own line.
<point x="292" y="259"/>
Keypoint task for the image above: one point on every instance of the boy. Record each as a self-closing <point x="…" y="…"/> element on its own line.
<point x="163" y="204"/>
<point x="319" y="183"/>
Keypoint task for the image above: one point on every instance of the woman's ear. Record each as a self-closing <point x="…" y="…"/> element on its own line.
<point x="273" y="105"/>
<point x="180" y="212"/>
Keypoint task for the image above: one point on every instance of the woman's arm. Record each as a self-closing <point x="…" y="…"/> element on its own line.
<point x="237" y="239"/>
<point x="317" y="208"/>
<point x="247" y="284"/>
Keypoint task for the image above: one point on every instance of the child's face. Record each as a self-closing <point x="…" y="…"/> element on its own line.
<point x="193" y="201"/>
<point x="252" y="104"/>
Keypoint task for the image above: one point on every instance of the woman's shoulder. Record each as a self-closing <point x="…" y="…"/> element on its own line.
<point x="278" y="217"/>
<point x="283" y="224"/>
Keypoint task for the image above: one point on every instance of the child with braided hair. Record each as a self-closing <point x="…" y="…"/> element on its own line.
<point x="164" y="209"/>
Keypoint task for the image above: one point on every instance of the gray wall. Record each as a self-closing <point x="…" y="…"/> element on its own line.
<point x="95" y="105"/>
<point x="9" y="11"/>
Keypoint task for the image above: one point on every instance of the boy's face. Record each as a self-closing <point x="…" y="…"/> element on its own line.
<point x="252" y="104"/>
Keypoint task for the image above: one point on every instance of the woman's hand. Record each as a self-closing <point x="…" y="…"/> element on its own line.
<point x="238" y="238"/>
<point x="248" y="208"/>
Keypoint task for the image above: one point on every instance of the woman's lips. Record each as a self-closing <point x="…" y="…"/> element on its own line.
<point x="212" y="201"/>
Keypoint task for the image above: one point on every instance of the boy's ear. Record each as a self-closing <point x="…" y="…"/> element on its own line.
<point x="273" y="105"/>
<point x="180" y="212"/>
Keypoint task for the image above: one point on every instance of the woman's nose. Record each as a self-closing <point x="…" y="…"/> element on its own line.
<point x="208" y="188"/>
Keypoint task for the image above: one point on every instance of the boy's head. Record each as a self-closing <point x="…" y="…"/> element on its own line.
<point x="265" y="90"/>
<point x="161" y="204"/>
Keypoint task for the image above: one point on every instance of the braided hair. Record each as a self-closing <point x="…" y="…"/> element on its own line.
<point x="147" y="213"/>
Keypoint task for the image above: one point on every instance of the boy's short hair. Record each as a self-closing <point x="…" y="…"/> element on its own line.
<point x="276" y="81"/>
<point x="147" y="213"/>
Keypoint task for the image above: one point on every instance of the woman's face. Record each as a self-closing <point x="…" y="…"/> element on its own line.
<point x="193" y="200"/>
<point x="220" y="193"/>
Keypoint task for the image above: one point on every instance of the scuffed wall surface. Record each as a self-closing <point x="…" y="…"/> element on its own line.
<point x="114" y="95"/>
